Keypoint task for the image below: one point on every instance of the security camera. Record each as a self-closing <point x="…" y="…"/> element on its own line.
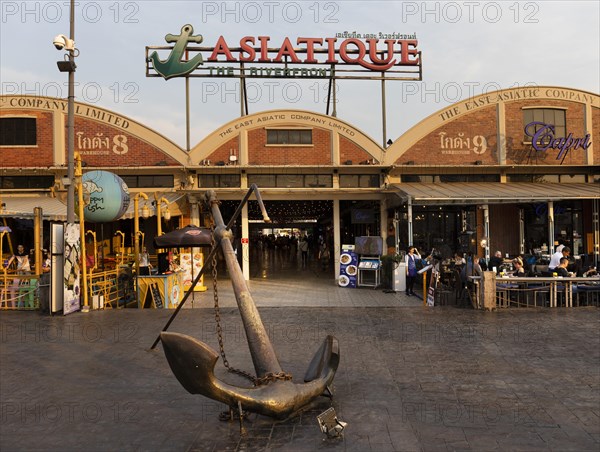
<point x="62" y="42"/>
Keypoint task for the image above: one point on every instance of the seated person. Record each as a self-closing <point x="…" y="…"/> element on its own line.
<point x="459" y="260"/>
<point x="471" y="268"/>
<point x="590" y="272"/>
<point x="496" y="261"/>
<point x="561" y="270"/>
<point x="556" y="257"/>
<point x="519" y="268"/>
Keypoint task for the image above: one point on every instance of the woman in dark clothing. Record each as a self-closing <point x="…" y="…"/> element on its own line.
<point x="411" y="269"/>
<point x="519" y="269"/>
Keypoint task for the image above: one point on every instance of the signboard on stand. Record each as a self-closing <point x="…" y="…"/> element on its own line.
<point x="432" y="286"/>
<point x="348" y="267"/>
<point x="72" y="258"/>
<point x="190" y="265"/>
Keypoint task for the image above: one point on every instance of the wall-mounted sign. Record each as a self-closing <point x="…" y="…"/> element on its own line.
<point x="367" y="55"/>
<point x="461" y="144"/>
<point x="101" y="145"/>
<point x="543" y="139"/>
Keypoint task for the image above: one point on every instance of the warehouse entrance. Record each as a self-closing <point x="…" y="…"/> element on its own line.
<point x="275" y="247"/>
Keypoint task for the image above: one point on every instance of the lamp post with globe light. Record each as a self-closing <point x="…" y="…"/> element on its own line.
<point x="136" y="228"/>
<point x="166" y="216"/>
<point x="122" y="245"/>
<point x="78" y="174"/>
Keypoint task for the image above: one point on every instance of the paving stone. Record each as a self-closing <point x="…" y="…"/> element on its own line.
<point x="410" y="378"/>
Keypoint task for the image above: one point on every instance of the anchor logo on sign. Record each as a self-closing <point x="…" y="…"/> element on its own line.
<point x="174" y="66"/>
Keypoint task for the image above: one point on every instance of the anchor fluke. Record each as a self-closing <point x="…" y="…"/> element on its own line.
<point x="326" y="358"/>
<point x="193" y="362"/>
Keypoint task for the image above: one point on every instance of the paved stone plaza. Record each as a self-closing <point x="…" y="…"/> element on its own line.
<point x="411" y="378"/>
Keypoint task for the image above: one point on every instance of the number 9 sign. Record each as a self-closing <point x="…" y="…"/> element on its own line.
<point x="480" y="144"/>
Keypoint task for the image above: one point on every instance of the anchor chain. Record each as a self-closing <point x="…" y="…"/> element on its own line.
<point x="269" y="376"/>
<point x="231" y="369"/>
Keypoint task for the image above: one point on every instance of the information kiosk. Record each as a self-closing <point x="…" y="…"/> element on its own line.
<point x="160" y="291"/>
<point x="369" y="265"/>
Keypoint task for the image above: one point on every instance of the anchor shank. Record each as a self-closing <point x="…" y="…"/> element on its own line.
<point x="262" y="351"/>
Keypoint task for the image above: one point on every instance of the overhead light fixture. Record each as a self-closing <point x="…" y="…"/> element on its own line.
<point x="145" y="211"/>
<point x="66" y="66"/>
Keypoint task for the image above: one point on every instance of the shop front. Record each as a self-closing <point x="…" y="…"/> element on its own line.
<point x="516" y="219"/>
<point x="514" y="171"/>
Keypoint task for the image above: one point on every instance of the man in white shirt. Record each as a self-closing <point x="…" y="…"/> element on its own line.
<point x="555" y="259"/>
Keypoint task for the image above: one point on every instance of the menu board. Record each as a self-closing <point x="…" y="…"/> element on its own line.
<point x="190" y="264"/>
<point x="348" y="269"/>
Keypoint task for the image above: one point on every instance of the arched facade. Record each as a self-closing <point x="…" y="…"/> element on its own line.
<point x="470" y="164"/>
<point x="480" y="165"/>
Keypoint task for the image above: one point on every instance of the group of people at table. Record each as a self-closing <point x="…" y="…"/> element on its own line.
<point x="472" y="265"/>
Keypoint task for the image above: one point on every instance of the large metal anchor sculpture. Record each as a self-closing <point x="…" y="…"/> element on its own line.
<point x="193" y="362"/>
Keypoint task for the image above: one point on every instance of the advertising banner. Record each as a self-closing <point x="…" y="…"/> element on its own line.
<point x="71" y="277"/>
<point x="348" y="268"/>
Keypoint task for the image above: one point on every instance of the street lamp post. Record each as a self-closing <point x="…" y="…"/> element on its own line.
<point x="167" y="215"/>
<point x="122" y="245"/>
<point x="136" y="228"/>
<point x="61" y="42"/>
<point x="78" y="174"/>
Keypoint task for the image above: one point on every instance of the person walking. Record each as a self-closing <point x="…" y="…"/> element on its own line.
<point x="303" y="246"/>
<point x="324" y="256"/>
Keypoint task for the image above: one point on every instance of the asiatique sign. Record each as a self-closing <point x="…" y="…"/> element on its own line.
<point x="543" y="138"/>
<point x="326" y="52"/>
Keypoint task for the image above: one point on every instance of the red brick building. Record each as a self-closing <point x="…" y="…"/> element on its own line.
<point x="465" y="176"/>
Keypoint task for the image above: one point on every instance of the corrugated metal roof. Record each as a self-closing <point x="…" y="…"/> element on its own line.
<point x="493" y="192"/>
<point x="53" y="209"/>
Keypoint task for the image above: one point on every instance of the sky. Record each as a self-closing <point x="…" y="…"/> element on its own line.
<point x="468" y="48"/>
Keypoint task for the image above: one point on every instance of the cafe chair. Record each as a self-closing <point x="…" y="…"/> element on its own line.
<point x="27" y="290"/>
<point x="591" y="293"/>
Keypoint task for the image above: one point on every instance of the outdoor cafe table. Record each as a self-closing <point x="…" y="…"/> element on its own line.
<point x="552" y="282"/>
